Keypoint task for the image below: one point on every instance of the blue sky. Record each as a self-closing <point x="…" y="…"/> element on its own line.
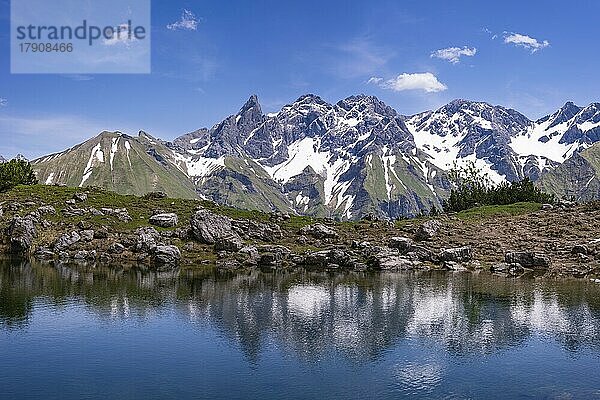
<point x="532" y="56"/>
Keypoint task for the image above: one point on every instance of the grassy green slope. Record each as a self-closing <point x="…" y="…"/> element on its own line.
<point x="116" y="162"/>
<point x="577" y="178"/>
<point x="244" y="184"/>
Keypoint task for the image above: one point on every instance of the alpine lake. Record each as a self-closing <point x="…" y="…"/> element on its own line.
<point x="110" y="333"/>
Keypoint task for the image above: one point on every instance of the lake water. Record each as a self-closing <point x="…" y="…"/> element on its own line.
<point x="102" y="333"/>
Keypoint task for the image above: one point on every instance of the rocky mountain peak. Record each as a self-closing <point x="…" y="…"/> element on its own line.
<point x="345" y="159"/>
<point x="2" y="159"/>
<point x="564" y="114"/>
<point x="366" y="104"/>
<point x="250" y="115"/>
<point x="590" y="113"/>
<point x="141" y="135"/>
<point x="251" y="106"/>
<point x="310" y="98"/>
<point x="462" y="105"/>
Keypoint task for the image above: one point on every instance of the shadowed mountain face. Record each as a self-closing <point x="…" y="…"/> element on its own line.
<point x="345" y="160"/>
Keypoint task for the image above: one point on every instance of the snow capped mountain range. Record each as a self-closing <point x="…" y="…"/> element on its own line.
<point x="346" y="160"/>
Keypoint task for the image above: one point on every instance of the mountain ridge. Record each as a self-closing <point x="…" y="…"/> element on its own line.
<point x="346" y="160"/>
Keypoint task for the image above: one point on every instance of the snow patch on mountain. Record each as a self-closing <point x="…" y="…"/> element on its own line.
<point x="197" y="166"/>
<point x="96" y="156"/>
<point x="541" y="141"/>
<point x="302" y="154"/>
<point x="50" y="179"/>
<point x="127" y="150"/>
<point x="114" y="147"/>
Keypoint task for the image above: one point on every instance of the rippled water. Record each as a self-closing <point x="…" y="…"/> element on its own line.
<point x="103" y="333"/>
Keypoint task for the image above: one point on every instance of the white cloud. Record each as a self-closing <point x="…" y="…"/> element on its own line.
<point x="453" y="54"/>
<point x="120" y="36"/>
<point x="188" y="22"/>
<point x="3" y="102"/>
<point x="525" y="41"/>
<point x="425" y="81"/>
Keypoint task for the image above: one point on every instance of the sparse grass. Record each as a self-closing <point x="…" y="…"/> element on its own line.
<point x="484" y="212"/>
<point x="141" y="208"/>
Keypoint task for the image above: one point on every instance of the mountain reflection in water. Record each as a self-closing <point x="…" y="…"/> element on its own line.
<point x="358" y="318"/>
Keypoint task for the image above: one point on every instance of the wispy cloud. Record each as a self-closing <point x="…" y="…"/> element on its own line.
<point x="525" y="41"/>
<point x="357" y="58"/>
<point x="188" y="22"/>
<point x="489" y="32"/>
<point x="3" y="102"/>
<point x="78" y="77"/>
<point x="453" y="54"/>
<point x="425" y="81"/>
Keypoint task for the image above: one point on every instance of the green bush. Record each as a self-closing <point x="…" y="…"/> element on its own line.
<point x="473" y="188"/>
<point x="16" y="172"/>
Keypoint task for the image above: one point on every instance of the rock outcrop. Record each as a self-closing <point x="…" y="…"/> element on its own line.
<point x="21" y="232"/>
<point x="165" y="220"/>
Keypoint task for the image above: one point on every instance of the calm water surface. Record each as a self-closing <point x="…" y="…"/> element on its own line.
<point x="73" y="333"/>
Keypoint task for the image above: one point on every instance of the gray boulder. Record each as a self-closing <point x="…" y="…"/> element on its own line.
<point x="46" y="210"/>
<point x="386" y="258"/>
<point x="21" y="232"/>
<point x="457" y="254"/>
<point x="147" y="239"/>
<point x="420" y="253"/>
<point x="257" y="230"/>
<point x="116" y="248"/>
<point x="87" y="235"/>
<point x="391" y="260"/>
<point x="507" y="268"/>
<point x="251" y="254"/>
<point x="231" y="243"/>
<point x="273" y="255"/>
<point x="428" y="230"/>
<point x="319" y="231"/>
<point x="165" y="220"/>
<point x="166" y="257"/>
<point x="95" y="212"/>
<point x="454" y="266"/>
<point x="66" y="241"/>
<point x="332" y="258"/>
<point x="120" y="213"/>
<point x="208" y="227"/>
<point x="528" y="259"/>
<point x="403" y="244"/>
<point x="80" y="197"/>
